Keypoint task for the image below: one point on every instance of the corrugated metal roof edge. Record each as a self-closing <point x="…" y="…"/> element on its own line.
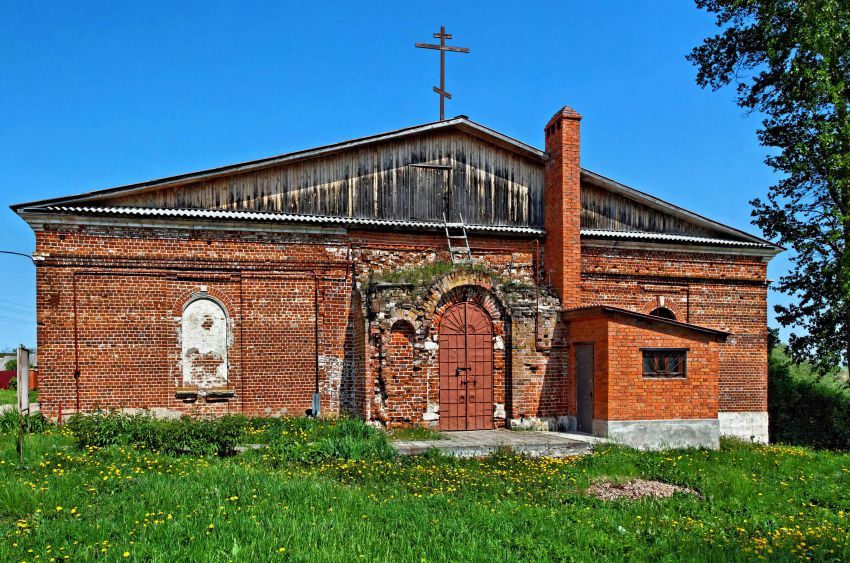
<point x="289" y="217"/>
<point x="274" y="217"/>
<point x="670" y="237"/>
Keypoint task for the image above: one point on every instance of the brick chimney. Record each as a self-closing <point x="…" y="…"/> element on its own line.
<point x="563" y="205"/>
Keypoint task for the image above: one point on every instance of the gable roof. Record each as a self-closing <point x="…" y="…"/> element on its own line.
<point x="89" y="203"/>
<point x="460" y="123"/>
<point x="669" y="208"/>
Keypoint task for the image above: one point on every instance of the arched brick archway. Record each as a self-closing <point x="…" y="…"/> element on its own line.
<point x="423" y="318"/>
<point x="466" y="368"/>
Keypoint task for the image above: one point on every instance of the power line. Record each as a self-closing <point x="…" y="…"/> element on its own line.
<point x="17" y="310"/>
<point x="12" y="252"/>
<point x="10" y="320"/>
<point x="16" y="303"/>
<point x="16" y="321"/>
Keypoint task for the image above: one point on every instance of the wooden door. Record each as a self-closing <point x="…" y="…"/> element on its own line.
<point x="466" y="368"/>
<point x="584" y="387"/>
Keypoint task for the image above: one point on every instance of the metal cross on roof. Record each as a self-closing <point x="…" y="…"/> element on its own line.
<point x="442" y="48"/>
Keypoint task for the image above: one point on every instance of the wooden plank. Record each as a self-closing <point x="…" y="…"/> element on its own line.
<point x="484" y="182"/>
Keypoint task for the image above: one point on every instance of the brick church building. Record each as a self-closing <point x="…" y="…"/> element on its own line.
<point x="441" y="275"/>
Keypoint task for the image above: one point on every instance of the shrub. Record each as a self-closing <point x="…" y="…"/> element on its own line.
<point x="184" y="435"/>
<point x="300" y="440"/>
<point x="34" y="423"/>
<point x="804" y="408"/>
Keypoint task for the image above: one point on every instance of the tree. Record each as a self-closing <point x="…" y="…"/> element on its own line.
<point x="11" y="364"/>
<point x="790" y="61"/>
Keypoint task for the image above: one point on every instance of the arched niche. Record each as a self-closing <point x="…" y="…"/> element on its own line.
<point x="204" y="343"/>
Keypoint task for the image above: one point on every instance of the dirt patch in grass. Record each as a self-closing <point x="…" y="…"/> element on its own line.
<point x="636" y="489"/>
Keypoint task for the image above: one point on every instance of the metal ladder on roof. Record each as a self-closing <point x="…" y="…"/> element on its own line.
<point x="459" y="253"/>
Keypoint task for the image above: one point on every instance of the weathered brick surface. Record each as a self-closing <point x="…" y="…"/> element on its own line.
<point x="130" y="286"/>
<point x="132" y="283"/>
<point x="404" y="347"/>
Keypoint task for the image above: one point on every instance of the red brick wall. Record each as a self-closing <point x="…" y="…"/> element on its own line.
<point x="621" y="392"/>
<point x="591" y="331"/>
<point x="131" y="285"/>
<point x="562" y="202"/>
<point x="403" y="382"/>
<point x="634" y="397"/>
<point x="719" y="291"/>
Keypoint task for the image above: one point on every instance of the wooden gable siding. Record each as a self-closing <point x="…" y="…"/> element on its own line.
<point x="486" y="183"/>
<point x="608" y="211"/>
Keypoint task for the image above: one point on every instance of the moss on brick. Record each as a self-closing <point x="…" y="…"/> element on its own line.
<point x="422" y="276"/>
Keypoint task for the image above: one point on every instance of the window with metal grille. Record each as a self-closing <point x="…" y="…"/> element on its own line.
<point x="665" y="362"/>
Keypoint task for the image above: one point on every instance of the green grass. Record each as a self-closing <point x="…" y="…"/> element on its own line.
<point x="422" y="275"/>
<point x="415" y="433"/>
<point x="10" y="396"/>
<point x="102" y="503"/>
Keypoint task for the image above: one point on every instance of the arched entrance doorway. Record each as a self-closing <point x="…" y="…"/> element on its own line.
<point x="466" y="368"/>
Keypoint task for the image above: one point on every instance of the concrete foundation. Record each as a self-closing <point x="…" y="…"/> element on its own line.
<point x="750" y="426"/>
<point x="544" y="423"/>
<point x="661" y="434"/>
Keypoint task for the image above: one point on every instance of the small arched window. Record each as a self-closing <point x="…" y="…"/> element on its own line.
<point x="204" y="343"/>
<point x="664" y="313"/>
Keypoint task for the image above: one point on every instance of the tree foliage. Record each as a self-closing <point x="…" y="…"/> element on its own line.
<point x="790" y="61"/>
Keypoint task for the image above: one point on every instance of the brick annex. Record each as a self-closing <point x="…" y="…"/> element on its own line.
<point x="337" y="281"/>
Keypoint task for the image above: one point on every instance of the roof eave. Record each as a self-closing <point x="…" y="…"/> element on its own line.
<point x="34" y="214"/>
<point x="583" y="312"/>
<point x="632" y="238"/>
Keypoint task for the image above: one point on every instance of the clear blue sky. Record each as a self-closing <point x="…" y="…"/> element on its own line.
<point x="96" y="95"/>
